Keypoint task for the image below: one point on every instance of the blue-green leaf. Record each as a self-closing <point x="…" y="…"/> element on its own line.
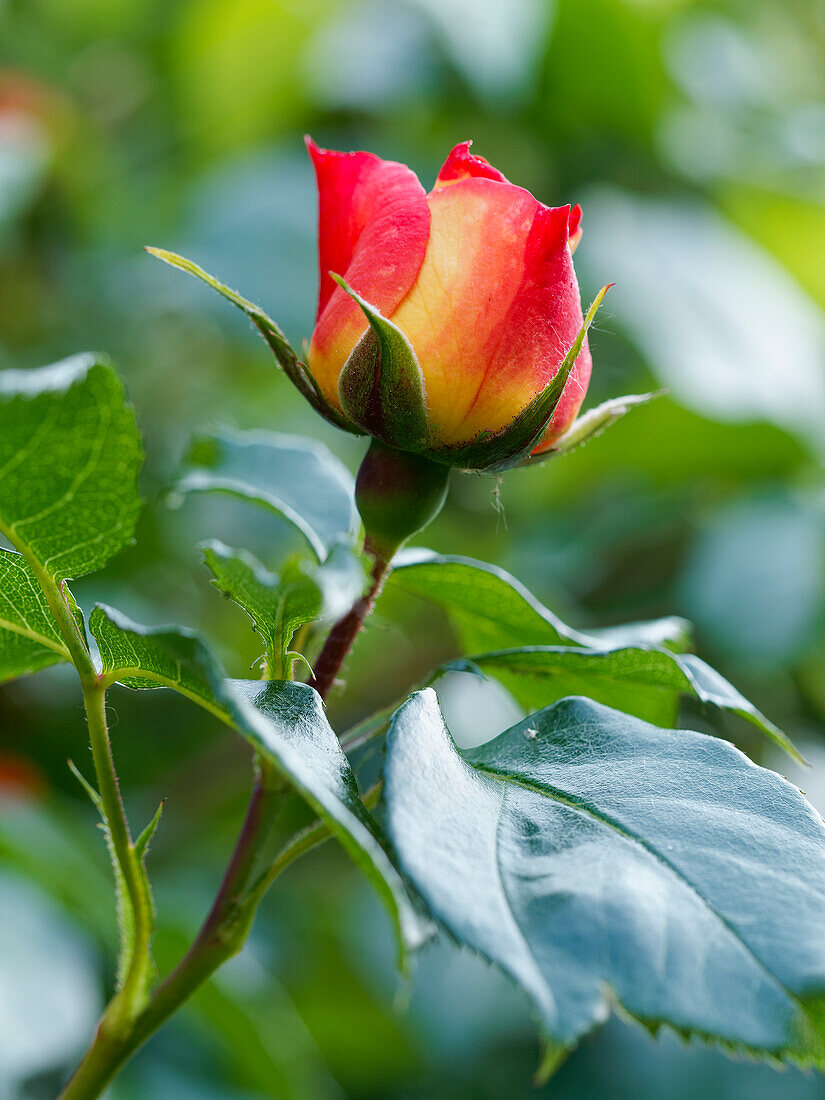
<point x="641" y="680"/>
<point x="297" y="478"/>
<point x="283" y="720"/>
<point x="602" y="861"/>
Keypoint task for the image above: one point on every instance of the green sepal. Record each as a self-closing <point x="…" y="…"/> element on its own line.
<point x="593" y="423"/>
<point x="297" y="372"/>
<point x="381" y="386"/>
<point x="496" y="451"/>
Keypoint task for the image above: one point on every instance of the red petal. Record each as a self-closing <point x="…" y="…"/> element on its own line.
<point x="373" y="228"/>
<point x="574" y="230"/>
<point x="541" y="324"/>
<point x="368" y="206"/>
<point x="461" y="164"/>
<point x="574" y="220"/>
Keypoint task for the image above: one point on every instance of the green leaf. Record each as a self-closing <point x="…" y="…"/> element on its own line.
<point x="491" y="610"/>
<point x="286" y="723"/>
<point x="29" y="638"/>
<point x="20" y="656"/>
<point x="69" y="459"/>
<point x="276" y="607"/>
<point x="381" y="386"/>
<point x="639" y="680"/>
<point x="283" y="720"/>
<point x="296" y="371"/>
<point x="602" y="861"/>
<point x="153" y="657"/>
<point x="279" y="606"/>
<point x="297" y="478"/>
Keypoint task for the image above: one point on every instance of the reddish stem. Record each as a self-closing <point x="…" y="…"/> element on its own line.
<point x="343" y="634"/>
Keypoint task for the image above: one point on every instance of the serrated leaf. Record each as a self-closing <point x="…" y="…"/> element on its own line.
<point x="285" y="721"/>
<point x="20" y="656"/>
<point x="29" y="638"/>
<point x="490" y="609"/>
<point x="153" y="657"/>
<point x="297" y="478"/>
<point x="599" y="860"/>
<point x="69" y="459"/>
<point x="279" y="606"/>
<point x="644" y="681"/>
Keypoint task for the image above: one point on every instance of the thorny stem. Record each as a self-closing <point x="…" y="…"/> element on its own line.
<point x="343" y="634"/>
<point x="222" y="935"/>
<point x="229" y="920"/>
<point x="130" y="998"/>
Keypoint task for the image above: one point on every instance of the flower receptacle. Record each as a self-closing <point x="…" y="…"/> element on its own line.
<point x="397" y="494"/>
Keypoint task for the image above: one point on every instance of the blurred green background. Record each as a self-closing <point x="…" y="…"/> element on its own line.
<point x="693" y="134"/>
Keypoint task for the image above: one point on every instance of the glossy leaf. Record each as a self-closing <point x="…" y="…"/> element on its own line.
<point x="639" y="680"/>
<point x="285" y="721"/>
<point x="602" y="861"/>
<point x="69" y="459"/>
<point x="490" y="609"/>
<point x="297" y="478"/>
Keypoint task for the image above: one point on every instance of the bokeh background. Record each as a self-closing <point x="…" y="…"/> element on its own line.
<point x="693" y="134"/>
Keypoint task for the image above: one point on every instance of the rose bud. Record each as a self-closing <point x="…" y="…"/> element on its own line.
<point x="449" y="324"/>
